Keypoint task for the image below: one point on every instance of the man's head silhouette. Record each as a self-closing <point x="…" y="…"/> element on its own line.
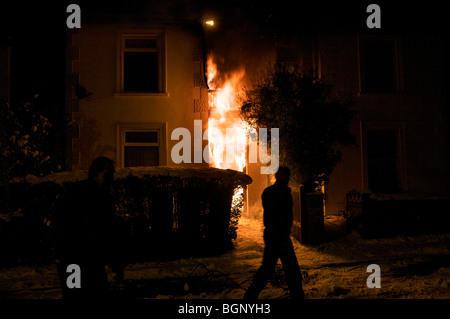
<point x="102" y="171"/>
<point x="283" y="175"/>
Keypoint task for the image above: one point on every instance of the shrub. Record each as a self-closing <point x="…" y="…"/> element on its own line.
<point x="311" y="120"/>
<point x="24" y="135"/>
<point x="165" y="212"/>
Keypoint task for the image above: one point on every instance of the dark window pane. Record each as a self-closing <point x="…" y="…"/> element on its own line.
<point x="140" y="43"/>
<point x="382" y="161"/>
<point x="141" y="137"/>
<point x="379" y="66"/>
<point x="141" y="71"/>
<point x="382" y="176"/>
<point x="141" y="156"/>
<point x="381" y="144"/>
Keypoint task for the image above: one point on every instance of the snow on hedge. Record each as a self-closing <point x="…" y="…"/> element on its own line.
<point x="228" y="176"/>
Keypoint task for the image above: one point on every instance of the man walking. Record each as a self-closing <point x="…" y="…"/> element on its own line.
<point x="278" y="217"/>
<point x="87" y="233"/>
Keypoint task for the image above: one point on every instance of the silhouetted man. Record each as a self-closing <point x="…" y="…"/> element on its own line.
<point x="86" y="226"/>
<point x="277" y="203"/>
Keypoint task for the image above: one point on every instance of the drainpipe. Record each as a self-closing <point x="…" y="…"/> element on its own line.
<point x="205" y="77"/>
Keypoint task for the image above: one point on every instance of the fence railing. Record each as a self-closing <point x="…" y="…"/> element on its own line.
<point x="380" y="216"/>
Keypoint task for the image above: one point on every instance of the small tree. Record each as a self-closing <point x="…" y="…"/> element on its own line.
<point x="23" y="136"/>
<point x="311" y="123"/>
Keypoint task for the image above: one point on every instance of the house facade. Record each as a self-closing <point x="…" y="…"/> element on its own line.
<point x="398" y="87"/>
<point x="120" y="113"/>
<point x="395" y="80"/>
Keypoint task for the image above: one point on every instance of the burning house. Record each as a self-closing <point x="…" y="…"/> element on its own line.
<point x="156" y="87"/>
<point x="134" y="81"/>
<point x="151" y="74"/>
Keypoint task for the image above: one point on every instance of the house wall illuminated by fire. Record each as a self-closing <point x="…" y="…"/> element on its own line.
<point x="133" y="84"/>
<point x="400" y="124"/>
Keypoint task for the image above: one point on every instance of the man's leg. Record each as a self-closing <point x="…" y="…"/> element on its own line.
<point x="264" y="272"/>
<point x="291" y="270"/>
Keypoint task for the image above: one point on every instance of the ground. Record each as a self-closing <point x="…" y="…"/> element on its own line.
<point x="415" y="267"/>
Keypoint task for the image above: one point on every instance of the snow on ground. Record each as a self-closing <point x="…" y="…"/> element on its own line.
<point x="411" y="267"/>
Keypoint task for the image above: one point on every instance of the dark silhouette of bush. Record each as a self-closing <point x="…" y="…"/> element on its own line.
<point x="311" y="121"/>
<point x="164" y="212"/>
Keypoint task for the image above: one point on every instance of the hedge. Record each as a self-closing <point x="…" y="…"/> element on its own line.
<point x="166" y="212"/>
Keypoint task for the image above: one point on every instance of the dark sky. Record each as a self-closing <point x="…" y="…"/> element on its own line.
<point x="277" y="14"/>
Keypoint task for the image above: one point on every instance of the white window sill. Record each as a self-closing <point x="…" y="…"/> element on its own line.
<point x="140" y="94"/>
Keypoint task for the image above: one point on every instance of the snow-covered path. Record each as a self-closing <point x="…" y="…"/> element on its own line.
<point x="411" y="267"/>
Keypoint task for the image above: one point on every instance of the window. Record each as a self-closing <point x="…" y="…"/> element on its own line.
<point x="382" y="161"/>
<point x="142" y="64"/>
<point x="141" y="146"/>
<point x="379" y="65"/>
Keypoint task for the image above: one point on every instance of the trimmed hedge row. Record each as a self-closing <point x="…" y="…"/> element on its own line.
<point x="165" y="213"/>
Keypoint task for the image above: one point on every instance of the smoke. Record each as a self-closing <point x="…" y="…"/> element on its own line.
<point x="237" y="44"/>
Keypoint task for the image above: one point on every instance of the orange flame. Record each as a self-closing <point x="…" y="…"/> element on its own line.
<point x="226" y="131"/>
<point x="211" y="69"/>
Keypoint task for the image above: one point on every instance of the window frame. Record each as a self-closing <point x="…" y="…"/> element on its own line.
<point x="399" y="128"/>
<point x="363" y="90"/>
<point x="160" y="49"/>
<point x="123" y="128"/>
